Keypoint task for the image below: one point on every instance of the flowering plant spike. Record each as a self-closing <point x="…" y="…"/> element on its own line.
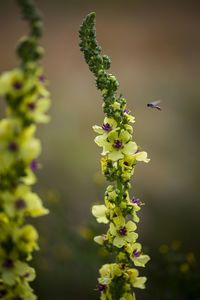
<point x="120" y="153"/>
<point x="27" y="100"/>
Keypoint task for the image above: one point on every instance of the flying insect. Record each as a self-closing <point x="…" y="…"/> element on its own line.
<point x="154" y="104"/>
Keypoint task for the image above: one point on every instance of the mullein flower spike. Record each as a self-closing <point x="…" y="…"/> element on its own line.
<point x="120" y="154"/>
<point x="27" y="98"/>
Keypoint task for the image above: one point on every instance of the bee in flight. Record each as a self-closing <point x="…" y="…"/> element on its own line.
<point x="154" y="104"/>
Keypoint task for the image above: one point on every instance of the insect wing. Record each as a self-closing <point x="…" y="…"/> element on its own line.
<point x="154" y="103"/>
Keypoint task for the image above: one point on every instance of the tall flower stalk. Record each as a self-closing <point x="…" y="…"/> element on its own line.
<point x="27" y="100"/>
<point x="117" y="280"/>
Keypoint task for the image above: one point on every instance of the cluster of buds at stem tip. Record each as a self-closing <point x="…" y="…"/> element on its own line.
<point x="120" y="154"/>
<point x="27" y="99"/>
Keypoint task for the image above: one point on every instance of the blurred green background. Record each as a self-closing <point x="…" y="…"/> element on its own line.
<point x="155" y="51"/>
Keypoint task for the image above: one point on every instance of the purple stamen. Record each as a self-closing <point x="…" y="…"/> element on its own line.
<point x="20" y="203"/>
<point x="125" y="111"/>
<point x="101" y="287"/>
<point x="138" y="150"/>
<point x="8" y="263"/>
<point x="13" y="146"/>
<point x="122" y="230"/>
<point x="17" y="85"/>
<point x="34" y="165"/>
<point x="31" y="105"/>
<point x="41" y="78"/>
<point x="117" y="144"/>
<point x="136" y="253"/>
<point x="125" y="163"/>
<point x="26" y="275"/>
<point x="133" y="200"/>
<point x="106" y="127"/>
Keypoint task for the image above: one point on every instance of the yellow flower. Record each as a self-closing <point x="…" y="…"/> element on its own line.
<point x="116" y="144"/>
<point x="109" y="124"/>
<point x="22" y="202"/>
<point x="136" y="255"/>
<point x="108" y="272"/>
<point x="27" y="240"/>
<point x="136" y="281"/>
<point x="123" y="233"/>
<point x="17" y="144"/>
<point x="100" y="211"/>
<point x="15" y="83"/>
<point x="100" y="239"/>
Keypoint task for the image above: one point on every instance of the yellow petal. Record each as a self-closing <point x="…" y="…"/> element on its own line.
<point x="130" y="148"/>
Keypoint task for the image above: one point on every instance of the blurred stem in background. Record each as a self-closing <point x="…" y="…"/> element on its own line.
<point x="27" y="100"/>
<point x="118" y="279"/>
